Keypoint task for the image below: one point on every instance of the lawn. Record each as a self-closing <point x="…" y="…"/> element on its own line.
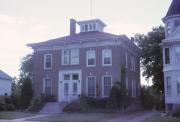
<point x="78" y="117"/>
<point x="162" y="119"/>
<point x="14" y="115"/>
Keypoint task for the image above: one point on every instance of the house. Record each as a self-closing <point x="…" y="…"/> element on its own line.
<point x="88" y="63"/>
<point x="5" y="84"/>
<point x="171" y="57"/>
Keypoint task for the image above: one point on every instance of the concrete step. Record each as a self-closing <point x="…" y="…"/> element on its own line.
<point x="52" y="108"/>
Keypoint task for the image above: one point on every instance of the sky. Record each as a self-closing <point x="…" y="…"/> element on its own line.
<point x="29" y="21"/>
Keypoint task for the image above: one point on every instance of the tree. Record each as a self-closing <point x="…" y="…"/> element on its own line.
<point x="152" y="61"/>
<point x="26" y="92"/>
<point x="26" y="66"/>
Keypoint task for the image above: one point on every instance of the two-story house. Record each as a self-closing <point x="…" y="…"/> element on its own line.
<point x="88" y="63"/>
<point x="171" y="56"/>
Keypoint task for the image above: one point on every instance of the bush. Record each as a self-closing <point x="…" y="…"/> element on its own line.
<point x="76" y="106"/>
<point x="7" y="100"/>
<point x="99" y="103"/>
<point x="10" y="107"/>
<point x="118" y="97"/>
<point x="36" y="104"/>
<point x="2" y="103"/>
<point x="48" y="98"/>
<point x="15" y="99"/>
<point x="176" y="113"/>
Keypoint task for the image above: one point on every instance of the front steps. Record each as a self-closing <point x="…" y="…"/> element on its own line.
<point x="52" y="108"/>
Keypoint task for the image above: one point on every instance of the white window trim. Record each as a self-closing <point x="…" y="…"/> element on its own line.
<point x="44" y="84"/>
<point x="87" y="85"/>
<point x="72" y="57"/>
<point x="62" y="56"/>
<point x="104" y="57"/>
<point x="103" y="84"/>
<point x="126" y="59"/>
<point x="176" y="87"/>
<point x="134" y="89"/>
<point x="45" y="61"/>
<point x="87" y="59"/>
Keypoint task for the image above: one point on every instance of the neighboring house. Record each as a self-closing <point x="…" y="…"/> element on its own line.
<point x="171" y="56"/>
<point x="5" y="84"/>
<point x="88" y="63"/>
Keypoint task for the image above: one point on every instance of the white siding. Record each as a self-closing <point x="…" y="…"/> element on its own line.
<point x="5" y="87"/>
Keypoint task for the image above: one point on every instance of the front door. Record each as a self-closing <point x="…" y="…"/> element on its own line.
<point x="69" y="87"/>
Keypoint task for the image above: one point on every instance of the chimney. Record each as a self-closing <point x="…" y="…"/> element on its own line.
<point x="72" y="27"/>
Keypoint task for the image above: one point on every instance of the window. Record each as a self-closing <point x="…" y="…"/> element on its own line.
<point x="167" y="56"/>
<point x="75" y="77"/>
<point x="134" y="88"/>
<point x="74" y="56"/>
<point x="70" y="56"/>
<point x="132" y="63"/>
<point x="106" y="57"/>
<point x="47" y="61"/>
<point x="91" y="86"/>
<point x="66" y="77"/>
<point x="82" y="27"/>
<point x="178" y="85"/>
<point x="94" y="26"/>
<point x="176" y="23"/>
<point x="90" y="27"/>
<point x="65" y="57"/>
<point x="127" y="83"/>
<point x="168" y="85"/>
<point x="47" y="86"/>
<point x="177" y="49"/>
<point x="126" y="60"/>
<point x="107" y="85"/>
<point x="86" y="28"/>
<point x="168" y="29"/>
<point x="91" y="58"/>
<point x="75" y="89"/>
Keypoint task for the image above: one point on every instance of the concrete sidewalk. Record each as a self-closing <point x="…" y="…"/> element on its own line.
<point x="26" y="118"/>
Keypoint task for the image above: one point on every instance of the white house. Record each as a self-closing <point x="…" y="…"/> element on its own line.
<point x="5" y="84"/>
<point x="171" y="56"/>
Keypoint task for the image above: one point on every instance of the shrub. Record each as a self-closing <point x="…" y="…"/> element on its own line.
<point x="7" y="100"/>
<point x="10" y="107"/>
<point x="48" y="98"/>
<point x="15" y="98"/>
<point x="118" y="97"/>
<point x="176" y="113"/>
<point x="76" y="106"/>
<point x="2" y="103"/>
<point x="36" y="104"/>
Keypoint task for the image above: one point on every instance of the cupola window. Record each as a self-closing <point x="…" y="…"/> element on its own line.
<point x="176" y="23"/>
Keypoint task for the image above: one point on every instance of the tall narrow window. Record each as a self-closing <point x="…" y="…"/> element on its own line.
<point x="107" y="85"/>
<point x="106" y="57"/>
<point x="127" y="83"/>
<point x="47" y="86"/>
<point x="65" y="57"/>
<point x="168" y="85"/>
<point x="133" y="64"/>
<point x="176" y="23"/>
<point x="167" y="56"/>
<point x="126" y="60"/>
<point x="74" y="56"/>
<point x="177" y="49"/>
<point x="134" y="88"/>
<point x="178" y="85"/>
<point x="47" y="61"/>
<point x="91" y="86"/>
<point x="91" y="58"/>
<point x="86" y="28"/>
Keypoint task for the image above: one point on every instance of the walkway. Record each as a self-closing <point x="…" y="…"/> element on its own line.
<point x="133" y="117"/>
<point x="24" y="119"/>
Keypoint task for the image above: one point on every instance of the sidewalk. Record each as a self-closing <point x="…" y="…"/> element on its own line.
<point x="24" y="119"/>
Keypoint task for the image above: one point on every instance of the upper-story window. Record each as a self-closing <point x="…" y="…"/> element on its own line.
<point x="178" y="85"/>
<point x="47" y="61"/>
<point x="167" y="56"/>
<point x="106" y="57"/>
<point x="126" y="60"/>
<point x="168" y="85"/>
<point x="94" y="26"/>
<point x="90" y="27"/>
<point x="74" y="56"/>
<point x="91" y="58"/>
<point x="86" y="27"/>
<point x="177" y="53"/>
<point x="133" y="63"/>
<point x="168" y="28"/>
<point x="70" y="56"/>
<point x="82" y="27"/>
<point x="176" y="23"/>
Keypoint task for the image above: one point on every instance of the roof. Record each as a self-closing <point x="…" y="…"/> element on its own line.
<point x="84" y="36"/>
<point x="4" y="76"/>
<point x="174" y="8"/>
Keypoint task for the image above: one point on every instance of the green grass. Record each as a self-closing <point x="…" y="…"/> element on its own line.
<point x="14" y="115"/>
<point x="76" y="117"/>
<point x="162" y="119"/>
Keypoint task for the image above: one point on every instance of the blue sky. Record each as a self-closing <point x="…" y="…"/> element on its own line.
<point x="27" y="21"/>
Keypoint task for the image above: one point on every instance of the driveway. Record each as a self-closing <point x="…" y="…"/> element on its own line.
<point x="133" y="117"/>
